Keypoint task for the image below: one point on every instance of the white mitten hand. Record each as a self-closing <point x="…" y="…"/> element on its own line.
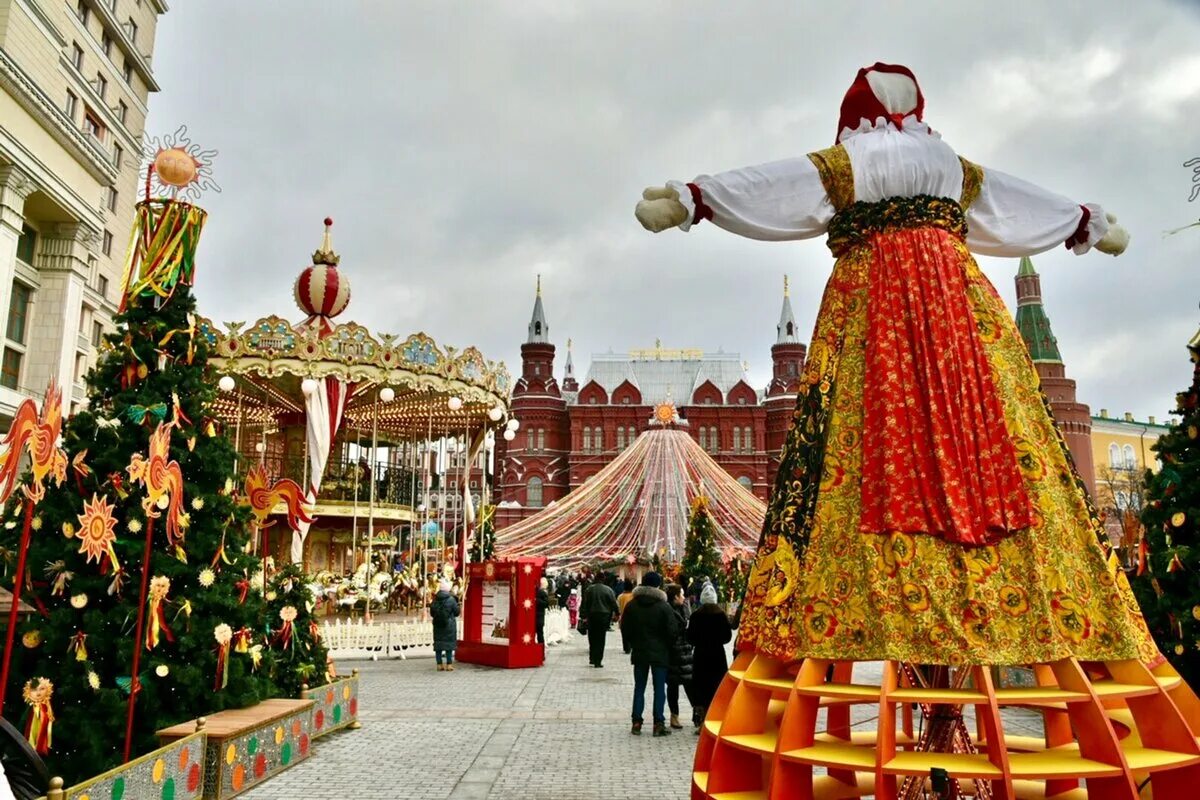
<point x="660" y="209"/>
<point x="1116" y="240"/>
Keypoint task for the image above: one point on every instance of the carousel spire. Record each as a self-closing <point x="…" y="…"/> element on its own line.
<point x="321" y="291"/>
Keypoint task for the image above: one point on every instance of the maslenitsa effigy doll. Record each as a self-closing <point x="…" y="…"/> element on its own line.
<point x="926" y="510"/>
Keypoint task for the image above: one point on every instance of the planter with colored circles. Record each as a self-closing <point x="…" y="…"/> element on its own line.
<point x="250" y="745"/>
<point x="336" y="705"/>
<point x="172" y="772"/>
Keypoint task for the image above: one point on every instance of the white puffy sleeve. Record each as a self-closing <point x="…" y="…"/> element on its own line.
<point x="778" y="201"/>
<point x="1012" y="217"/>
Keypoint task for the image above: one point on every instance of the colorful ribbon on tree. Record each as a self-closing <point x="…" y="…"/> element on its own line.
<point x="283" y="637"/>
<point x="159" y="587"/>
<point x="78" y="646"/>
<point x="137" y="414"/>
<point x="241" y="640"/>
<point x="39" y="727"/>
<point x="163" y="252"/>
<point x="224" y="635"/>
<point x="243" y="587"/>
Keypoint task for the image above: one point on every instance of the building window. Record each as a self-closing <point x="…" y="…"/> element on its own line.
<point x="1114" y="456"/>
<point x="1130" y="459"/>
<point x="106" y="243"/>
<point x="82" y="12"/>
<point x="714" y="438"/>
<point x="72" y="105"/>
<point x="112" y="198"/>
<point x="791" y="370"/>
<point x="533" y="493"/>
<point x="26" y="244"/>
<point x="80" y="367"/>
<point x="748" y="440"/>
<point x="18" y="312"/>
<point x="101" y="85"/>
<point x="587" y="440"/>
<point x="620" y="438"/>
<point x="746" y="483"/>
<point x="131" y="31"/>
<point x="10" y="373"/>
<point x="127" y="72"/>
<point x="122" y="111"/>
<point x="737" y="440"/>
<point x="102" y="286"/>
<point x="77" y="55"/>
<point x="592" y="401"/>
<point x="106" y="44"/>
<point x="92" y="125"/>
<point x="118" y="155"/>
<point x="97" y="333"/>
<point x="704" y="438"/>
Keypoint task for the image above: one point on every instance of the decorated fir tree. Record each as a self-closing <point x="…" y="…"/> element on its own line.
<point x="300" y="657"/>
<point x="150" y="475"/>
<point x="483" y="545"/>
<point x="700" y="557"/>
<point x="1167" y="583"/>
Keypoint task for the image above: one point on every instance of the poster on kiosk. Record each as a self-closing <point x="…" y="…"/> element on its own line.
<point x="500" y="620"/>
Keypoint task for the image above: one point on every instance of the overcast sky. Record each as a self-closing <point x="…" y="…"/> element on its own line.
<point x="464" y="147"/>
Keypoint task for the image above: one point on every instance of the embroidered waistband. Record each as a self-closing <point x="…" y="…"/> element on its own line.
<point x="858" y="223"/>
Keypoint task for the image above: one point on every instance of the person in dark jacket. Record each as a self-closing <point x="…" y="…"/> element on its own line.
<point x="599" y="607"/>
<point x="708" y="631"/>
<point x="679" y="671"/>
<point x="648" y="629"/>
<point x="444" y="611"/>
<point x="543" y="603"/>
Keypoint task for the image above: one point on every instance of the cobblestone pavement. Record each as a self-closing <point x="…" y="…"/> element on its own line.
<point x="561" y="731"/>
<point x="479" y="733"/>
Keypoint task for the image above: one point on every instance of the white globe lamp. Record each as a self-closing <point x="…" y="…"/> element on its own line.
<point x="513" y="425"/>
<point x="308" y="386"/>
<point x="387" y="394"/>
<point x="454" y="403"/>
<point x="509" y="435"/>
<point x="495" y="413"/>
<point x="226" y="383"/>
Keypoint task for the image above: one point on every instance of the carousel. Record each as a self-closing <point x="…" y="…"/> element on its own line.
<point x="386" y="441"/>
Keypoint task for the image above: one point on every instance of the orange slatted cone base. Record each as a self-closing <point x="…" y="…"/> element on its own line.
<point x="776" y="731"/>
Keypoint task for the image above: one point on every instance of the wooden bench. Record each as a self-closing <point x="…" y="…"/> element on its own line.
<point x="246" y="746"/>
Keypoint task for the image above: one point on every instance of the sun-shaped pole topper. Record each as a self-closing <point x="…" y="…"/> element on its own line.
<point x="175" y="167"/>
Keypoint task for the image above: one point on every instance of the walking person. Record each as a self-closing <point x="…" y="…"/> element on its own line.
<point x="599" y="608"/>
<point x="679" y="671"/>
<point x="625" y="596"/>
<point x="543" y="603"/>
<point x="708" y="632"/>
<point x="572" y="605"/>
<point x="444" y="613"/>
<point x="648" y="628"/>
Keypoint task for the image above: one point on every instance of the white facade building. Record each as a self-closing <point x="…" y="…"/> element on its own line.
<point x="74" y="82"/>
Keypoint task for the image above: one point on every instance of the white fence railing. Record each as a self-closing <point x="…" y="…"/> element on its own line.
<point x="374" y="640"/>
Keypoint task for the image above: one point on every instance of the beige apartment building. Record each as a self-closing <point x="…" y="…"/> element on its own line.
<point x="75" y="78"/>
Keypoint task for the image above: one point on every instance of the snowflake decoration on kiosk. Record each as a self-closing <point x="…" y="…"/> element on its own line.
<point x="176" y="167"/>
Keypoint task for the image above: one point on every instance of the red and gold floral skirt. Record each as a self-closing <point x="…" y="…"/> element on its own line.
<point x="1036" y="587"/>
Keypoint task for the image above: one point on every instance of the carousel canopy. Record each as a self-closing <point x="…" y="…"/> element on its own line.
<point x="638" y="506"/>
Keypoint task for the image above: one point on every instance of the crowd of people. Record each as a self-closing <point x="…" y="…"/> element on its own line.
<point x="675" y="640"/>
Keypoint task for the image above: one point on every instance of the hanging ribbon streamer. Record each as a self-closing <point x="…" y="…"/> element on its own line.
<point x="189" y="332"/>
<point x="243" y="587"/>
<point x="314" y="630"/>
<point x="221" y="556"/>
<point x="39" y="728"/>
<point x="159" y="586"/>
<point x="224" y="635"/>
<point x="241" y="640"/>
<point x="163" y="252"/>
<point x="1175" y="564"/>
<point x="78" y="646"/>
<point x="283" y="637"/>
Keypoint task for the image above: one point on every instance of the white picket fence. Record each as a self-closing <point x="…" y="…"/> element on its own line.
<point x="374" y="640"/>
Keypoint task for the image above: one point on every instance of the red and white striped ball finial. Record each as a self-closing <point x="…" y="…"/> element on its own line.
<point x="321" y="291"/>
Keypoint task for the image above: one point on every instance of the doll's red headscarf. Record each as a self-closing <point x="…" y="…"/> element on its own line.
<point x="882" y="90"/>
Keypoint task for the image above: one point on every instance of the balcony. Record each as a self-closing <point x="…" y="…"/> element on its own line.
<point x="346" y="487"/>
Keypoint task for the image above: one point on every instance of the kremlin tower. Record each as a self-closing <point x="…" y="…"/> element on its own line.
<point x="787" y="355"/>
<point x="1073" y="418"/>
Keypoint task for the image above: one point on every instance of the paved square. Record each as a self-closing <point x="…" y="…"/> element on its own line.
<point x="480" y="733"/>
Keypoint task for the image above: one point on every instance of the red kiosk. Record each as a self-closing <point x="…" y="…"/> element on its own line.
<point x="500" y="621"/>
